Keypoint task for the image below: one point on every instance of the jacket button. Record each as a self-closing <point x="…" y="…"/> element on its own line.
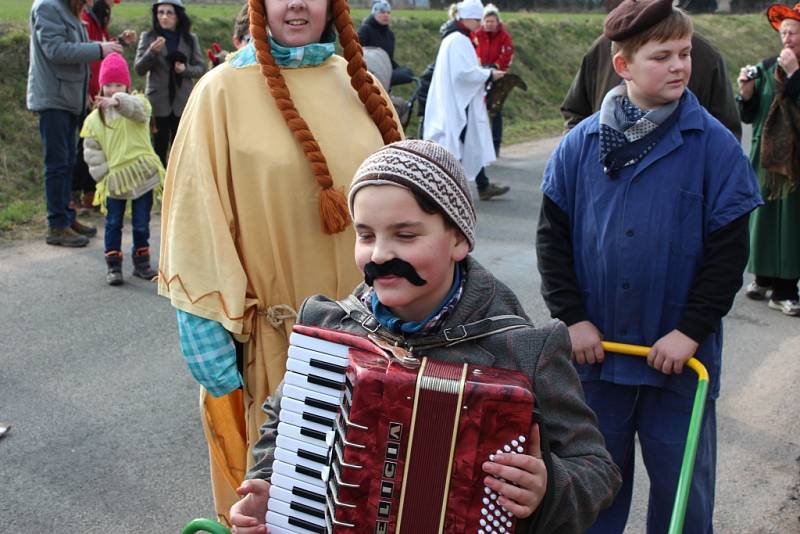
<point x="623" y="332"/>
<point x="626" y="285"/>
<point x="629" y="233"/>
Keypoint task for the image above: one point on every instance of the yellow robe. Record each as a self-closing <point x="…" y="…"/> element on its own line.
<point x="241" y="236"/>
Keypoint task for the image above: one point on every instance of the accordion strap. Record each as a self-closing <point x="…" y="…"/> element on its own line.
<point x="354" y="308"/>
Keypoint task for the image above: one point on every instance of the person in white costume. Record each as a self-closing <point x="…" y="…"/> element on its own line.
<point x="455" y="112"/>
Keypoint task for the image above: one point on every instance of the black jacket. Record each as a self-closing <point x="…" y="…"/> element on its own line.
<point x="373" y="33"/>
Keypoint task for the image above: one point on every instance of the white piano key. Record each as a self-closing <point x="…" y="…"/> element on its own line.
<point x="287" y="496"/>
<point x="307" y="355"/>
<point x="312" y="398"/>
<point x="291" y="472"/>
<point x="304" y="382"/>
<point x="308" y="412"/>
<point x="293" y="458"/>
<point x="307" y="369"/>
<point x="279" y="524"/>
<point x="319" y="345"/>
<point x="295" y="445"/>
<point x="296" y="419"/>
<point x="306" y="435"/>
<point x="280" y="507"/>
<point x="291" y="484"/>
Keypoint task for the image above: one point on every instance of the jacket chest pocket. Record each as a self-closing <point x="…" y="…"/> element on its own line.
<point x="687" y="227"/>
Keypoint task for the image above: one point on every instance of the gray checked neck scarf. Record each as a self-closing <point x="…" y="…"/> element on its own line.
<point x="623" y="124"/>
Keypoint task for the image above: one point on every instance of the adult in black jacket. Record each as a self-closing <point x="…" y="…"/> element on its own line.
<point x="375" y="31"/>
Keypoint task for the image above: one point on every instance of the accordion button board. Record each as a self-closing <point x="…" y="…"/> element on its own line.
<point x="368" y="444"/>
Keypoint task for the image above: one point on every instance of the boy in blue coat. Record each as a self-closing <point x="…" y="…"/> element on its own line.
<point x="642" y="239"/>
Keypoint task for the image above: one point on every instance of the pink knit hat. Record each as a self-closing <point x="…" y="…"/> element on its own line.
<point x="114" y="69"/>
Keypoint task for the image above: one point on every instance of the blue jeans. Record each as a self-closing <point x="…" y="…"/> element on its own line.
<point x="58" y="129"/>
<point x="140" y="220"/>
<point x="661" y="418"/>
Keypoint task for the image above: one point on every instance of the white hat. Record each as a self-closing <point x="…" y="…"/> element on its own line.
<point x="469" y="9"/>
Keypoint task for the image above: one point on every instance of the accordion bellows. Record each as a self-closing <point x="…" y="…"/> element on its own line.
<point x="405" y="450"/>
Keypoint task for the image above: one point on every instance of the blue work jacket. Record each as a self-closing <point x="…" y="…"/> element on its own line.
<point x="638" y="238"/>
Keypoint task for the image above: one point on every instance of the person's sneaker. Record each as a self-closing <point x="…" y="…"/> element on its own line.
<point x="84" y="229"/>
<point x="756" y="292"/>
<point x="788" y="307"/>
<point x="493" y="190"/>
<point x="65" y="237"/>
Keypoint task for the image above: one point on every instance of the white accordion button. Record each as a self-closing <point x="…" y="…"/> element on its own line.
<point x="514" y="442"/>
<point x="520" y="450"/>
<point x="506" y="448"/>
<point x="521" y="439"/>
<point x="486" y="500"/>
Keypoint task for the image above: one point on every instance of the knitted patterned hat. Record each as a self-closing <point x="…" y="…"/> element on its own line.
<point x="114" y="69"/>
<point x="428" y="168"/>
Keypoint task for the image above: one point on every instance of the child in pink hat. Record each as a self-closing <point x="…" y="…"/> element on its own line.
<point x="121" y="159"/>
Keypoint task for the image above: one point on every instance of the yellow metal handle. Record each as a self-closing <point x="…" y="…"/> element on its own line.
<point x="640" y="350"/>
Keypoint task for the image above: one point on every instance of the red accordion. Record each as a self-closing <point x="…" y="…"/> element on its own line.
<point x="408" y="440"/>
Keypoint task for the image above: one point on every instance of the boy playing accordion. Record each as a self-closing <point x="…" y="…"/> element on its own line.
<point x="415" y="223"/>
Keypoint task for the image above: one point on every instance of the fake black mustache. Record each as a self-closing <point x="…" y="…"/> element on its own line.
<point x="396" y="267"/>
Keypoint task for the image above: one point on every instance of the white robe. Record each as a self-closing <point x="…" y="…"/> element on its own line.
<point x="459" y="82"/>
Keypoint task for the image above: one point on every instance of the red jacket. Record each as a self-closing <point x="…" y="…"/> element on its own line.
<point x="99" y="34"/>
<point x="495" y="48"/>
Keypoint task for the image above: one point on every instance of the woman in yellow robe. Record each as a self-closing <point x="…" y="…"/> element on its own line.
<point x="254" y="219"/>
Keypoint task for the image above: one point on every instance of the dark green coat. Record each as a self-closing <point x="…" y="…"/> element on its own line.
<point x="775" y="226"/>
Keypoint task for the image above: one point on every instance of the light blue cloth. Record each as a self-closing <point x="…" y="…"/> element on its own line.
<point x="637" y="240"/>
<point x="209" y="352"/>
<point x="310" y="55"/>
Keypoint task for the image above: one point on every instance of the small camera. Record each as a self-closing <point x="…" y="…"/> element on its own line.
<point x="752" y="72"/>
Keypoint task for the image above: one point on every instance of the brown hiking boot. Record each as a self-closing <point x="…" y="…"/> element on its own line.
<point x="65" y="237"/>
<point x="493" y="190"/>
<point x="84" y="229"/>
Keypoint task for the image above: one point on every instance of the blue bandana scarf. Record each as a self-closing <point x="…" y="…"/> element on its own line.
<point x="391" y="322"/>
<point x="628" y="133"/>
<point x="309" y="55"/>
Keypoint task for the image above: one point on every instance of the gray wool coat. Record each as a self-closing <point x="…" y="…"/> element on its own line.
<point x="60" y="53"/>
<point x="582" y="478"/>
<point x="157" y="69"/>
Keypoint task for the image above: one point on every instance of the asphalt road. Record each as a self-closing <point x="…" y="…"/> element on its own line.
<point x="106" y="436"/>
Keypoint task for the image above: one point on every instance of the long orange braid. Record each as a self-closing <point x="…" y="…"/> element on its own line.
<point x="332" y="202"/>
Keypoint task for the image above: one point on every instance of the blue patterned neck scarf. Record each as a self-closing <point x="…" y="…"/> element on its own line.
<point x="309" y="55"/>
<point x="623" y="124"/>
<point x="393" y="323"/>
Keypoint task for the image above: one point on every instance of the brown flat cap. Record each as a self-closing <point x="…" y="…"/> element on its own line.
<point x="635" y="16"/>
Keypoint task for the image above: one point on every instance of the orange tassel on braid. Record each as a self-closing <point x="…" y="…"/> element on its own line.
<point x="332" y="202"/>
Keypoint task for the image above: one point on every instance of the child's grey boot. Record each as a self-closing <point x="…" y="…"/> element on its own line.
<point x="114" y="264"/>
<point x="141" y="264"/>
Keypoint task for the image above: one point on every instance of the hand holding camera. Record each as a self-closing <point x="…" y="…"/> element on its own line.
<point x="746" y="80"/>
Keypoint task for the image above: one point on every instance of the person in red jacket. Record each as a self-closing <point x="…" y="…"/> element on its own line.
<point x="495" y="49"/>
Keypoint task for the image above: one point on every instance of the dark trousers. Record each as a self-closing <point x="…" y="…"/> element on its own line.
<point x="58" y="130"/>
<point x="782" y="288"/>
<point x="497" y="131"/>
<point x="140" y="221"/>
<point x="166" y="128"/>
<point x="661" y="419"/>
<point x="82" y="181"/>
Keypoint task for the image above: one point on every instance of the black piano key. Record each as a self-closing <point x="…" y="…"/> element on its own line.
<point x="325" y="382"/>
<point x="332" y="367"/>
<point x="303" y="470"/>
<point x="314" y="457"/>
<point x="322" y="405"/>
<point x="300" y="507"/>
<point x="310" y="495"/>
<point x="306" y="525"/>
<point x="314" y="418"/>
<point x="311" y="433"/>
